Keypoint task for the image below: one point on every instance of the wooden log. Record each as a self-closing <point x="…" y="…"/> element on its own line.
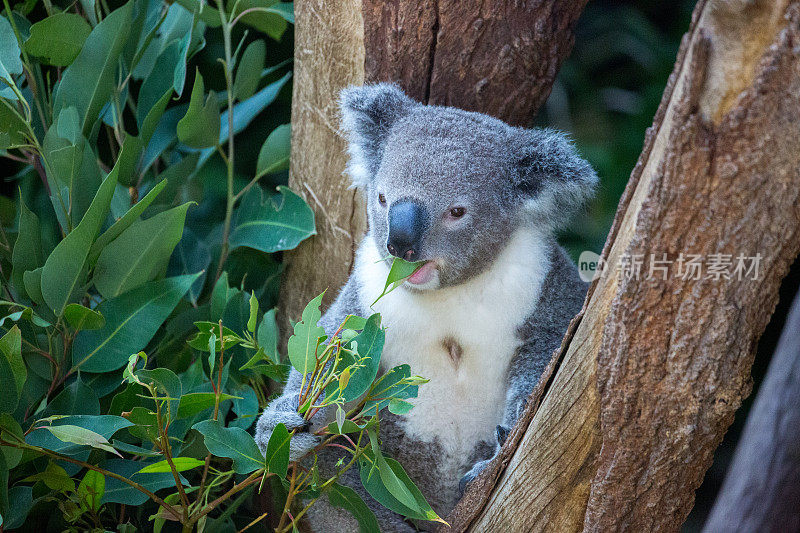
<point x="650" y="375"/>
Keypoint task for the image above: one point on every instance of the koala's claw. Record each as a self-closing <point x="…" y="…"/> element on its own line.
<point x="283" y="410"/>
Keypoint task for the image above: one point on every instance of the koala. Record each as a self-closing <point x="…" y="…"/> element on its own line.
<point x="478" y="202"/>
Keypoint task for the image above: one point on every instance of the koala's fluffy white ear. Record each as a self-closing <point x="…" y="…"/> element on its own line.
<point x="555" y="180"/>
<point x="368" y="114"/>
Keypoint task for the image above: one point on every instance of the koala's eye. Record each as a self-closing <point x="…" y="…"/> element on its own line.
<point x="457" y="212"/>
<point x="382" y="199"/>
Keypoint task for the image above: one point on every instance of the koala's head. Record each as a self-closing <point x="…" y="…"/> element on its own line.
<point x="450" y="187"/>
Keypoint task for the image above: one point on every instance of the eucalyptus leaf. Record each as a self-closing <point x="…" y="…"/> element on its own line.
<point x="91" y="490"/>
<point x="81" y="318"/>
<point x="58" y="39"/>
<point x="28" y="253"/>
<point x="12" y="370"/>
<point x="10" y="62"/>
<point x="89" y="81"/>
<point x="132" y="319"/>
<point x="302" y="346"/>
<point x="140" y="253"/>
<point x="349" y="500"/>
<point x="233" y="443"/>
<point x="271" y="225"/>
<point x="182" y="464"/>
<point x="199" y="128"/>
<point x="277" y="454"/>
<point x="64" y="272"/>
<point x="248" y="72"/>
<point x="274" y="154"/>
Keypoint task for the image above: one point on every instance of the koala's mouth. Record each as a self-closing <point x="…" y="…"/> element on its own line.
<point x="424" y="274"/>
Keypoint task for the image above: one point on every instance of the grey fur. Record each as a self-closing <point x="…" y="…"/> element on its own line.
<point x="506" y="178"/>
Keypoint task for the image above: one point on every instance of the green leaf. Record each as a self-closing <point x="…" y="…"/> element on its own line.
<point x="70" y="434"/>
<point x="348" y="499"/>
<point x="12" y="128"/>
<point x="90" y="80"/>
<point x="72" y="167"/>
<point x="166" y="383"/>
<point x="274" y="154"/>
<point x="27" y="254"/>
<point x="140" y="253"/>
<point x="82" y="318"/>
<point x="277" y="455"/>
<point x="80" y="436"/>
<point x="200" y="127"/>
<point x="400" y="407"/>
<point x="32" y="279"/>
<point x="391" y="486"/>
<point x="233" y="443"/>
<point x="270" y="226"/>
<point x="20" y="502"/>
<point x="132" y="319"/>
<point x="400" y="270"/>
<point x="270" y="18"/>
<point x="132" y="146"/>
<point x="369" y="346"/>
<point x="10" y="431"/>
<point x="190" y="256"/>
<point x="248" y="73"/>
<point x="55" y="477"/>
<point x="10" y="62"/>
<point x="251" y="320"/>
<point x="12" y="370"/>
<point x="64" y="272"/>
<point x="245" y="112"/>
<point x="195" y="403"/>
<point x="119" y="492"/>
<point x="302" y="345"/>
<point x="77" y="398"/>
<point x="396" y="383"/>
<point x="91" y="490"/>
<point x="58" y="39"/>
<point x="267" y="336"/>
<point x="160" y="80"/>
<point x="182" y="464"/>
<point x="124" y="222"/>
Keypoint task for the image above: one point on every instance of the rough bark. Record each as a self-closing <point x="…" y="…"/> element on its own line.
<point x="501" y="59"/>
<point x="328" y="56"/>
<point x="761" y="492"/>
<point x="651" y="373"/>
<point x="498" y="57"/>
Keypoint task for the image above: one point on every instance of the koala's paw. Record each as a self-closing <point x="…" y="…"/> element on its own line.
<point x="474" y="472"/>
<point x="283" y="410"/>
<point x="501" y="432"/>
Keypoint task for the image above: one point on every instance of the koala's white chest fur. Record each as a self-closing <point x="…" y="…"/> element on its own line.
<point x="477" y="320"/>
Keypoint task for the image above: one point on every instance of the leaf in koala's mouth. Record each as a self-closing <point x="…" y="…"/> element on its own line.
<point x="400" y="271"/>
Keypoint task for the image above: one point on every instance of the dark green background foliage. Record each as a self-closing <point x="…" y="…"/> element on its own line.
<point x="132" y="221"/>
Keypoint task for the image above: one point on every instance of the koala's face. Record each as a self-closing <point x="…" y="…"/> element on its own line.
<point x="450" y="187"/>
<point x="439" y="195"/>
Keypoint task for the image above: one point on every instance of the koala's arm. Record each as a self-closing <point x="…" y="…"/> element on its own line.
<point x="283" y="409"/>
<point x="561" y="299"/>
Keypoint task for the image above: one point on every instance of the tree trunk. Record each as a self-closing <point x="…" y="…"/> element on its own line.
<point x="761" y="492"/>
<point x="501" y="59"/>
<point x="624" y="425"/>
<point x="328" y="56"/>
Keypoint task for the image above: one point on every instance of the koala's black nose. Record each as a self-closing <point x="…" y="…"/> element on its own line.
<point x="408" y="222"/>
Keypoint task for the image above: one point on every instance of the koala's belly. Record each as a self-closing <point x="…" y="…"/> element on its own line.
<point x="457" y="411"/>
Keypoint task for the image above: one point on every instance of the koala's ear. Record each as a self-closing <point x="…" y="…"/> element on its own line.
<point x="554" y="180"/>
<point x="368" y="114"/>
